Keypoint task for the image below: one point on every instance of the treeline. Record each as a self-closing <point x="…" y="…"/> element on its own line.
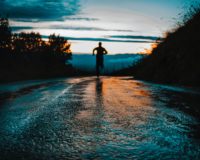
<point x="176" y="59"/>
<point x="28" y="56"/>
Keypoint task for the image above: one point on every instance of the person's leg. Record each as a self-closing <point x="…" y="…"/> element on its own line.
<point x="97" y="70"/>
<point x="101" y="65"/>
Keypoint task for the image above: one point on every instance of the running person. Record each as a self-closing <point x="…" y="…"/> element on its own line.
<point x="100" y="51"/>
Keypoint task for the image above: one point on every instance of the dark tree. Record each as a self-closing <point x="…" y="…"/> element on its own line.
<point x="27" y="42"/>
<point x="27" y="55"/>
<point x="59" y="45"/>
<point x="5" y="33"/>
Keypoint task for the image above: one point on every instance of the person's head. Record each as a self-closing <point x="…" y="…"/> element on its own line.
<point x="100" y="44"/>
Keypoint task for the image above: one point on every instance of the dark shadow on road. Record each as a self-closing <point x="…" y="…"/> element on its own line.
<point x="24" y="91"/>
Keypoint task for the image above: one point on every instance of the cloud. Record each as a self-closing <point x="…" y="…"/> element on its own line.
<point x="17" y="28"/>
<point x="104" y="39"/>
<point x="85" y="28"/>
<point x="25" y="26"/>
<point x="81" y="19"/>
<point x="152" y="38"/>
<point x="39" y="9"/>
<point x="89" y="29"/>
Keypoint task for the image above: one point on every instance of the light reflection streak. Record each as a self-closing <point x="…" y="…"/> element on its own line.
<point x="112" y="106"/>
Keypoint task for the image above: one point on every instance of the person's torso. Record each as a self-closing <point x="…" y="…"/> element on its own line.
<point x="100" y="51"/>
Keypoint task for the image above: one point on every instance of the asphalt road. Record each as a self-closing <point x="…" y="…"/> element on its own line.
<point x="90" y="118"/>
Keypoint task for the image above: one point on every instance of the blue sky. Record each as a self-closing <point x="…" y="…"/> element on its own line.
<point x="124" y="26"/>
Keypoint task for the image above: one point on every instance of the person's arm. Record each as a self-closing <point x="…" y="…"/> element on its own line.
<point x="94" y="51"/>
<point x="105" y="51"/>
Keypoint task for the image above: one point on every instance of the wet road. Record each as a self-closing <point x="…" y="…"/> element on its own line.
<point x="106" y="118"/>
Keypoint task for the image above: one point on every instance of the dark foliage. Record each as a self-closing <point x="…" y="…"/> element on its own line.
<point x="177" y="58"/>
<point x="27" y="56"/>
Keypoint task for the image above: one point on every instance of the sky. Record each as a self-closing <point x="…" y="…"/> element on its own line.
<point x="124" y="26"/>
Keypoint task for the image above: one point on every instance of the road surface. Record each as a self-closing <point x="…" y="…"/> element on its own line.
<point x="90" y="118"/>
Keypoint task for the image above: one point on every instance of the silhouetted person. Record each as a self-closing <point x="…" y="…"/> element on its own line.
<point x="100" y="51"/>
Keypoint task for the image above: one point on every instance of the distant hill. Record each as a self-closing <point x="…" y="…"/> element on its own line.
<point x="176" y="59"/>
<point x="112" y="63"/>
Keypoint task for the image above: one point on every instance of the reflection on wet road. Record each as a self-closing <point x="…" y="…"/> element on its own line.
<point x="106" y="118"/>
